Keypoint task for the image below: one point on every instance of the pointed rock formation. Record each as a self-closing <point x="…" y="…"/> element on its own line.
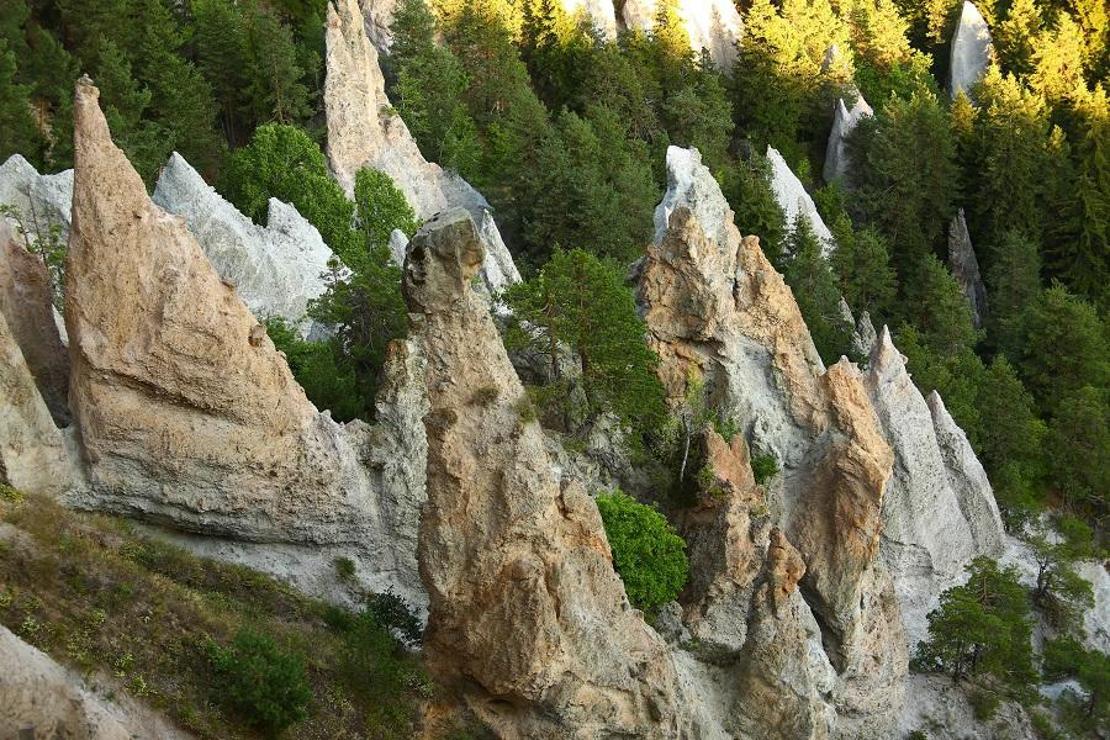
<point x="714" y="26"/>
<point x="939" y="511"/>
<point x="32" y="454"/>
<point x="365" y="131"/>
<point x="837" y="161"/>
<point x="971" y="50"/>
<point x="965" y="268"/>
<point x="188" y="416"/>
<point x="26" y="302"/>
<point x="528" y="621"/>
<point x="716" y="308"/>
<point x="795" y="202"/>
<point x="276" y="269"/>
<point x="41" y="200"/>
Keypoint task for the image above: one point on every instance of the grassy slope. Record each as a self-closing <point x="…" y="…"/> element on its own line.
<point x="97" y="597"/>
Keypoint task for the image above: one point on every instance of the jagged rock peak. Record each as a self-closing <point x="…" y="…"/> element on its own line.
<point x="971" y="50"/>
<point x="939" y="511"/>
<point x="378" y="15"/>
<point x="837" y="162"/>
<point x="276" y="269"/>
<point x="26" y="301"/>
<point x="365" y="131"/>
<point x="32" y="454"/>
<point x="795" y="202"/>
<point x="712" y="25"/>
<point x="187" y="413"/>
<point x="42" y="201"/>
<point x="965" y="268"/>
<point x="528" y="622"/>
<point x="716" y="310"/>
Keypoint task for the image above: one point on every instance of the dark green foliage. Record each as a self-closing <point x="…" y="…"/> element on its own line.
<point x="1063" y="347"/>
<point x="1066" y="658"/>
<point x="862" y="266"/>
<point x="327" y="378"/>
<point x="647" y="553"/>
<point x="747" y="187"/>
<point x="17" y="128"/>
<point x="283" y="162"/>
<point x="1013" y="282"/>
<point x="394" y="613"/>
<point x="905" y="166"/>
<point x="365" y="307"/>
<point x="936" y="306"/>
<point x="580" y="301"/>
<point x="982" y="627"/>
<point x="1078" y="446"/>
<point x="264" y="684"/>
<point x="818" y="296"/>
<point x="1010" y="442"/>
<point x="592" y="188"/>
<point x="765" y="467"/>
<point x="1060" y="593"/>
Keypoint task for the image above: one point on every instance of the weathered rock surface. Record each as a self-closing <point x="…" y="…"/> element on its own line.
<point x="276" y="269"/>
<point x="32" y="453"/>
<point x="378" y="19"/>
<point x="941" y="708"/>
<point x="188" y="416"/>
<point x="965" y="268"/>
<point x="528" y="620"/>
<point x="939" y="511"/>
<point x="41" y="200"/>
<point x="26" y="301"/>
<point x="716" y="308"/>
<point x="971" y="50"/>
<point x="712" y="25"/>
<point x="40" y="697"/>
<point x="837" y="160"/>
<point x="365" y="131"/>
<point x="795" y="202"/>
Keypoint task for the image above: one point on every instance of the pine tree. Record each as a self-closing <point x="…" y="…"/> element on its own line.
<point x="1013" y="282"/>
<point x="815" y="289"/>
<point x="1017" y="37"/>
<point x="862" y="264"/>
<point x="1078" y="444"/>
<point x="582" y="302"/>
<point x="17" y="127"/>
<point x="221" y="44"/>
<point x="275" y="90"/>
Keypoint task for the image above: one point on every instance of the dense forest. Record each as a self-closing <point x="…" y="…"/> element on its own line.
<point x="565" y="132"/>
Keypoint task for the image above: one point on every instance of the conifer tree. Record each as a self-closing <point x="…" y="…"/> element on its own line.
<point x="17" y="127"/>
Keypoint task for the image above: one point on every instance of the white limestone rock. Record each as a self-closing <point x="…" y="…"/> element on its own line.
<point x="865" y="336"/>
<point x="41" y="200"/>
<point x="276" y="269"/>
<point x="971" y="50"/>
<point x="939" y="511"/>
<point x="965" y="268"/>
<point x="712" y="25"/>
<point x="837" y="160"/>
<point x="378" y="18"/>
<point x="365" y="131"/>
<point x="795" y="202"/>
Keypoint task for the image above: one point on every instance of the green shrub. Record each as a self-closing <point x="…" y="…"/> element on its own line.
<point x="765" y="467"/>
<point x="984" y="703"/>
<point x="261" y="682"/>
<point x="345" y="569"/>
<point x="647" y="553"/>
<point x="394" y="613"/>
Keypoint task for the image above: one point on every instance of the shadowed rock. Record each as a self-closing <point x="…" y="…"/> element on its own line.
<point x="837" y="160"/>
<point x="965" y="268"/>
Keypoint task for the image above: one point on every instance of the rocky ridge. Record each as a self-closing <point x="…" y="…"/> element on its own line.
<point x="187" y="414"/>
<point x="42" y="201"/>
<point x="365" y="131"/>
<point x="276" y="269"/>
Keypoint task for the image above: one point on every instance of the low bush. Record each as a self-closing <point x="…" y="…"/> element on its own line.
<point x="263" y="684"/>
<point x="765" y="467"/>
<point x="647" y="553"/>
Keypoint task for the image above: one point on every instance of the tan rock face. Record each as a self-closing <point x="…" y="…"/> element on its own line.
<point x="717" y="309"/>
<point x="528" y="620"/>
<point x="187" y="414"/>
<point x="32" y="455"/>
<point x="25" y="301"/>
